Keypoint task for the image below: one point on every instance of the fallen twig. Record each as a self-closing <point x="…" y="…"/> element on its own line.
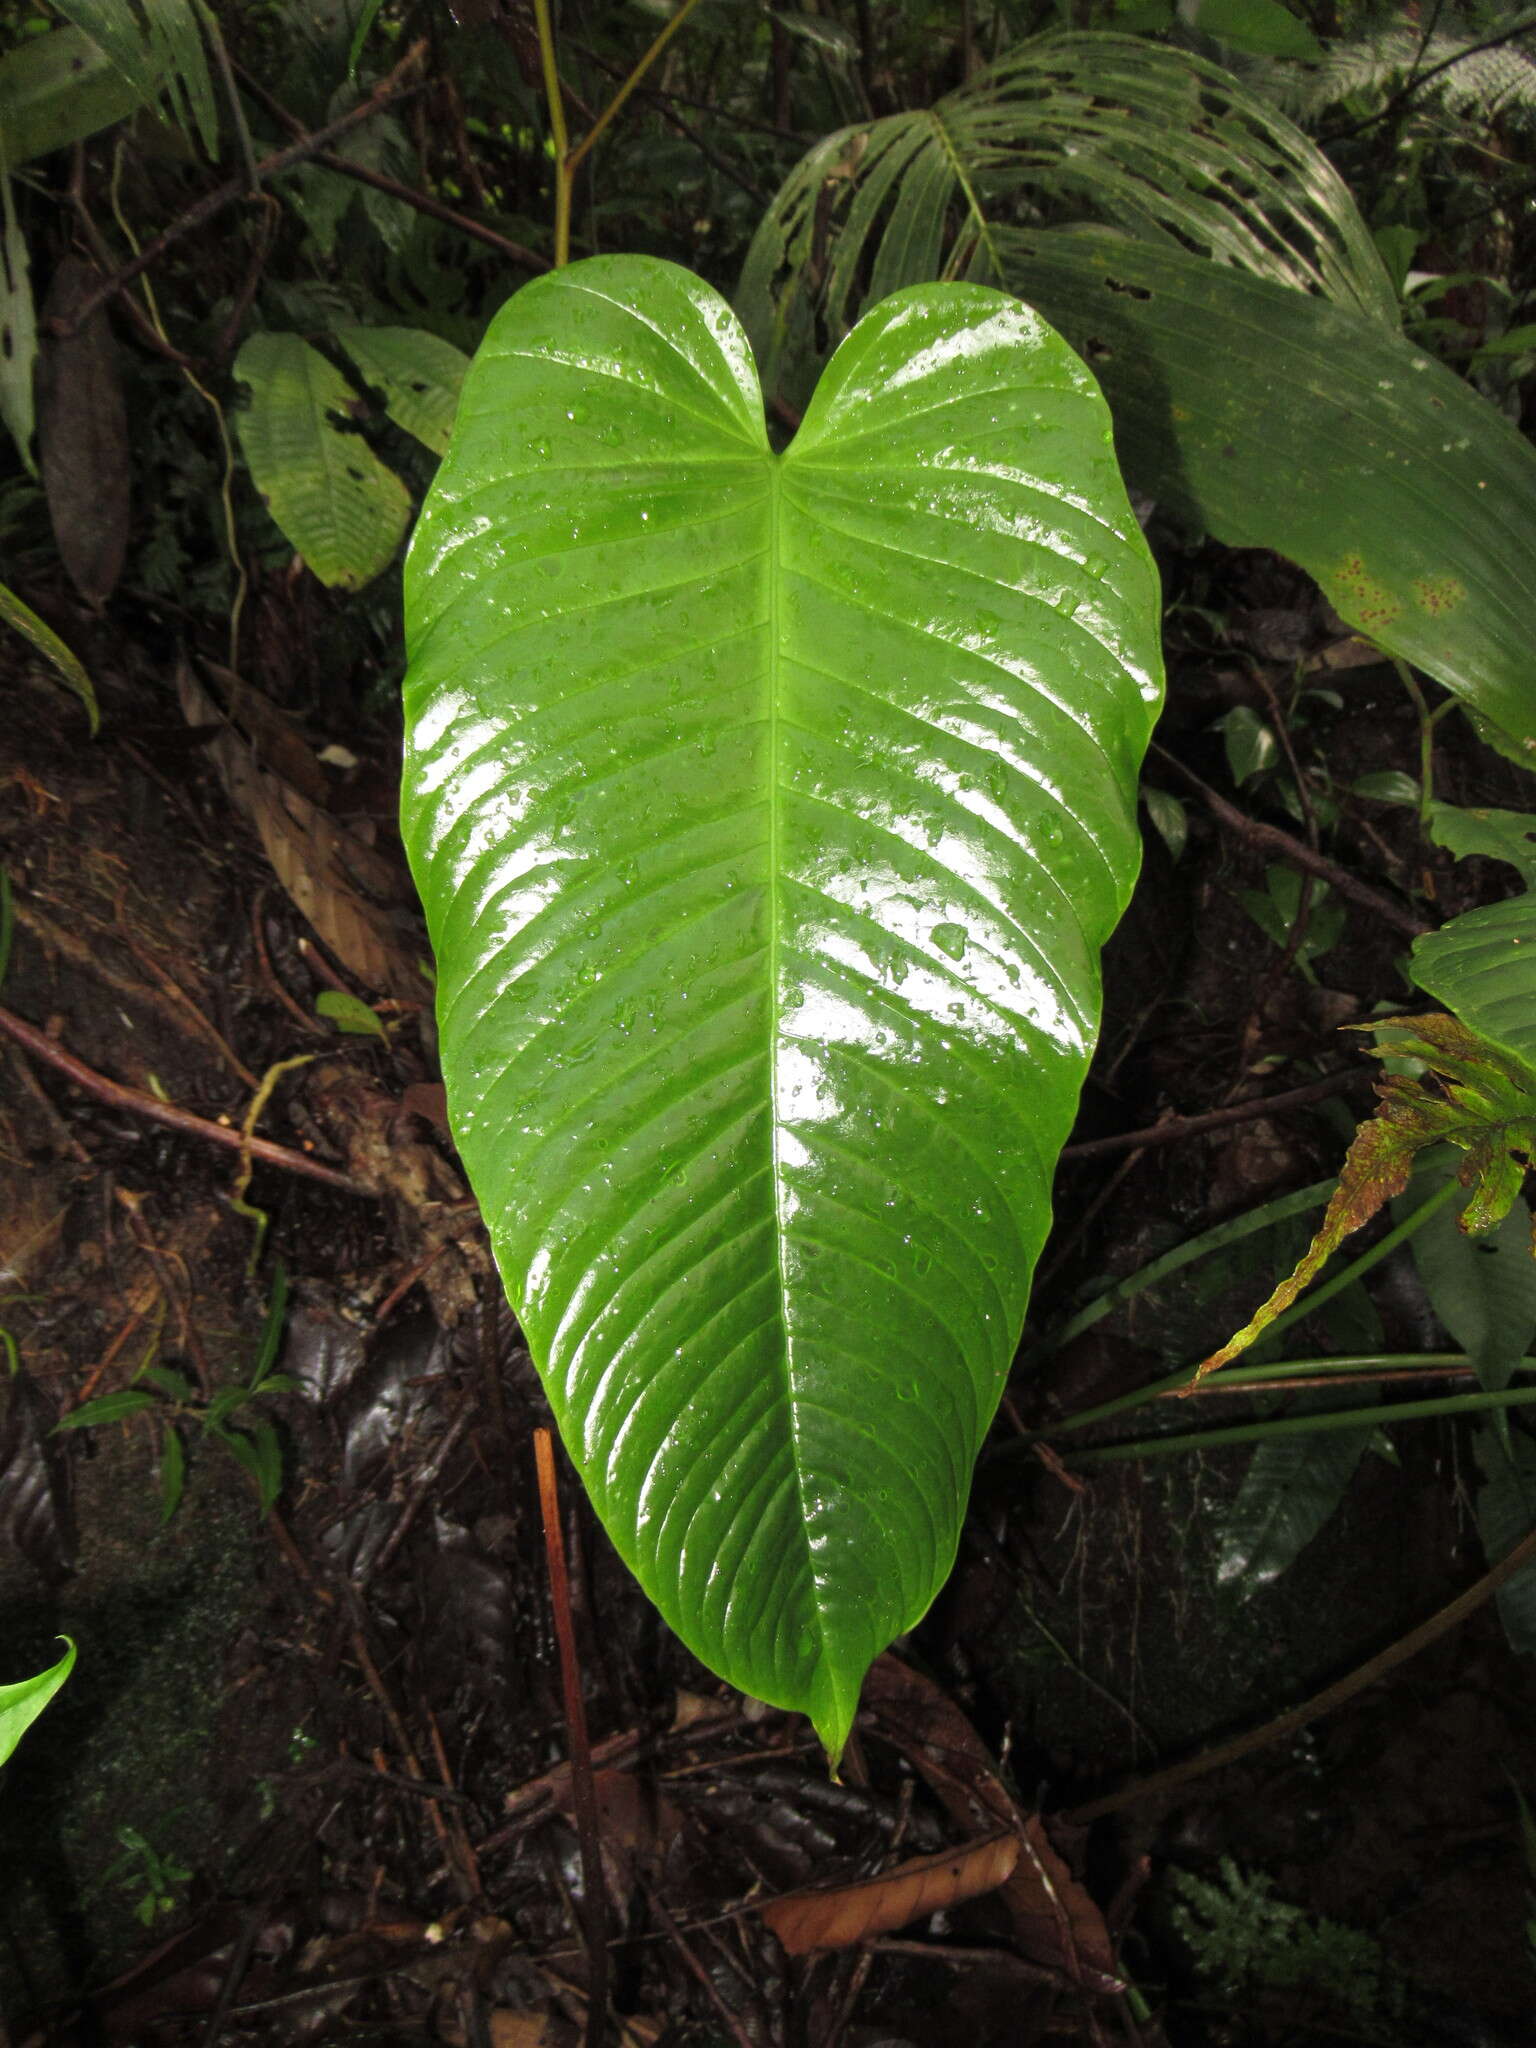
<point x="116" y="1096"/>
<point x="1296" y="854"/>
<point x="583" y="1790"/>
<point x="1173" y="1128"/>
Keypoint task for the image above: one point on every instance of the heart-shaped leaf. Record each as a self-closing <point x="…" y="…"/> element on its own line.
<point x="770" y="813"/>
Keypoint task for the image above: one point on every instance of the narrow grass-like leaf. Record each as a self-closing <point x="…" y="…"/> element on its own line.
<point x="1275" y="420"/>
<point x="419" y="374"/>
<point x="18" y="327"/>
<point x="338" y="504"/>
<point x="48" y="644"/>
<point x="770" y="814"/>
<point x="1506" y="1511"/>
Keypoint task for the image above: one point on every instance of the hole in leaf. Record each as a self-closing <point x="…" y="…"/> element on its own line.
<point x="1130" y="291"/>
<point x="1097" y="351"/>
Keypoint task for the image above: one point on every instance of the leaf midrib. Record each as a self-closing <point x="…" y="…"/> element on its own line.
<point x="773" y="668"/>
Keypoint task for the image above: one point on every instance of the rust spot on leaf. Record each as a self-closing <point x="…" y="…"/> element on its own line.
<point x="1437" y="594"/>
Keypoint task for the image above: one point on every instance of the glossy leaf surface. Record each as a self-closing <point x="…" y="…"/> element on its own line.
<point x="20" y="1704"/>
<point x="770" y="813"/>
<point x="1275" y="420"/>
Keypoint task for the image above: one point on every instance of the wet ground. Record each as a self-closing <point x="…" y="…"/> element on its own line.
<point x="309" y="1781"/>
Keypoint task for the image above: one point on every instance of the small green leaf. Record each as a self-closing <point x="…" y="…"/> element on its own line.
<point x="1250" y="743"/>
<point x="173" y="1468"/>
<point x="106" y="1408"/>
<point x="1496" y="835"/>
<point x="223" y="1403"/>
<point x="419" y="374"/>
<point x="1387" y="786"/>
<point x="336" y="503"/>
<point x="349" y="1013"/>
<point x="259" y="1452"/>
<point x="1259" y="28"/>
<point x="20" y="1704"/>
<point x="1170" y="817"/>
<point x="1291" y="1490"/>
<point x="174" y="1385"/>
<point x="52" y="648"/>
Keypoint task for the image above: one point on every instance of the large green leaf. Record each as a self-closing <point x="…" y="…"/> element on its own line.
<point x="1157" y="141"/>
<point x="1482" y="966"/>
<point x="1276" y="420"/>
<point x="342" y="509"/>
<point x="770" y="813"/>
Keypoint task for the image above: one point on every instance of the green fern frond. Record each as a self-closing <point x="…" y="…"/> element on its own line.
<point x="1493" y="83"/>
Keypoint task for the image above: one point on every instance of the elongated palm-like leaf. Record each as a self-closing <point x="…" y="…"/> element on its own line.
<point x="343" y="510"/>
<point x="156" y="46"/>
<point x="1275" y="420"/>
<point x="1156" y="141"/>
<point x="770" y="813"/>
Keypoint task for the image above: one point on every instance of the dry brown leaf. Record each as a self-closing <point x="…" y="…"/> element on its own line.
<point x="539" y="2027"/>
<point x="1055" y="1921"/>
<point x="82" y="437"/>
<point x="275" y="740"/>
<point x="433" y="1225"/>
<point x="857" y="1912"/>
<point x="341" y="884"/>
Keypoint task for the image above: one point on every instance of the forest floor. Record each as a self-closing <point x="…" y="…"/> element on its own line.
<point x="309" y="1779"/>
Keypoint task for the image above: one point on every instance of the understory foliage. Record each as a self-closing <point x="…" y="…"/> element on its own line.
<point x="783" y="405"/>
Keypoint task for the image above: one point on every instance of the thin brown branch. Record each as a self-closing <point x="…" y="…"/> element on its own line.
<point x="302" y="150"/>
<point x="1270" y="839"/>
<point x="116" y="1096"/>
<point x="1295" y="1718"/>
<point x="1175" y="1128"/>
<point x="515" y="252"/>
<point x="583" y="1787"/>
